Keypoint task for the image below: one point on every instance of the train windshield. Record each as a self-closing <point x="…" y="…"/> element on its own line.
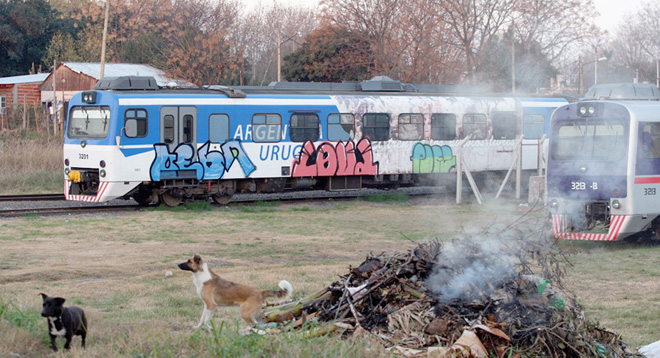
<point x="593" y="138"/>
<point x="89" y="122"/>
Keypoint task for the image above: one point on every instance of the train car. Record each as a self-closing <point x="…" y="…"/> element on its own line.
<point x="537" y="112"/>
<point x="603" y="172"/>
<point x="128" y="138"/>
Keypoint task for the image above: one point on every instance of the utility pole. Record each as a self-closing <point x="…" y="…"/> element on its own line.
<point x="580" y="74"/>
<point x="105" y="36"/>
<point x="279" y="57"/>
<point x="657" y="72"/>
<point x="279" y="52"/>
<point x="513" y="66"/>
<point x="55" y="111"/>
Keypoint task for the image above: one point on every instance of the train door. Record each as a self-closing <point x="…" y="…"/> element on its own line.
<point x="178" y="125"/>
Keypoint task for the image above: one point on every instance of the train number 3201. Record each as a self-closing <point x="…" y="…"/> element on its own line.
<point x="83" y="156"/>
<point x="580" y="185"/>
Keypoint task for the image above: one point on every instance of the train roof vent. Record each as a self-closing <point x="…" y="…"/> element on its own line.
<point x="386" y="84"/>
<point x="127" y="83"/>
<point x="624" y="91"/>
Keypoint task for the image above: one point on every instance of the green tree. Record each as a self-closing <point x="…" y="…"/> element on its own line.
<point x="330" y="54"/>
<point x="26" y="27"/>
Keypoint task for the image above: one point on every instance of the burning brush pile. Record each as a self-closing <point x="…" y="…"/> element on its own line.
<point x="467" y="298"/>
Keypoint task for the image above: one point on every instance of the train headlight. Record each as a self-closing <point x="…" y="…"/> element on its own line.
<point x="67" y="171"/>
<point x="89" y="97"/>
<point x="102" y="164"/>
<point x="616" y="204"/>
<point x="66" y="162"/>
<point x="102" y="173"/>
<point x="586" y="110"/>
<point x="554" y="204"/>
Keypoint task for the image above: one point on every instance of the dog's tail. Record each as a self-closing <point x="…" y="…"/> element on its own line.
<point x="282" y="294"/>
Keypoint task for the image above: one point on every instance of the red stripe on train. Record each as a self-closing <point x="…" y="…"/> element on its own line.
<point x="648" y="180"/>
<point x="616" y="223"/>
<point x="87" y="198"/>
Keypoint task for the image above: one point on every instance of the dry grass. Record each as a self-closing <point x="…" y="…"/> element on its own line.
<point x="116" y="268"/>
<point x="30" y="165"/>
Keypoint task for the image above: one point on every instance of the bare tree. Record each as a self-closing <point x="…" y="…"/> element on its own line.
<point x="256" y="37"/>
<point x="474" y="25"/>
<point x="376" y="18"/>
<point x="648" y="32"/>
<point x="555" y="25"/>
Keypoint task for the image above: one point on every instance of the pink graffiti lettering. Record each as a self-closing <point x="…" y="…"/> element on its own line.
<point x="329" y="160"/>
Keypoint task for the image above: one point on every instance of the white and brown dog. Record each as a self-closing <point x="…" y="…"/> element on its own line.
<point x="216" y="291"/>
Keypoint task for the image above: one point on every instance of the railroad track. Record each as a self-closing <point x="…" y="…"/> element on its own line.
<point x="241" y="199"/>
<point x="12" y="213"/>
<point x="32" y="197"/>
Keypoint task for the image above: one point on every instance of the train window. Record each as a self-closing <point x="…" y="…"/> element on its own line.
<point x="474" y="124"/>
<point x="140" y="117"/>
<point x="376" y="126"/>
<point x="443" y="126"/>
<point x="266" y="128"/>
<point x="89" y="122"/>
<point x="595" y="139"/>
<point x="411" y="126"/>
<point x="303" y="127"/>
<point x="341" y="126"/>
<point x="218" y="128"/>
<point x="187" y="129"/>
<point x="650" y="140"/>
<point x="533" y="126"/>
<point x="168" y="129"/>
<point x="504" y="125"/>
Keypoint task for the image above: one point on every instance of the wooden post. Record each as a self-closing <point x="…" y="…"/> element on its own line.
<point x="55" y="98"/>
<point x="541" y="156"/>
<point x="24" y="110"/>
<point x="518" y="166"/>
<point x="459" y="170"/>
<point x="105" y="36"/>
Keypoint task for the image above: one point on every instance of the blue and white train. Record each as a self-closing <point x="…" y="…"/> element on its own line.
<point x="130" y="138"/>
<point x="603" y="172"/>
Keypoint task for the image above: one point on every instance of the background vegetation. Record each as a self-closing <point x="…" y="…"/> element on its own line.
<point x="482" y="42"/>
<point x="31" y="163"/>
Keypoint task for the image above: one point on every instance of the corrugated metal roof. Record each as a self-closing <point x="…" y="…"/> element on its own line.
<point x="40" y="77"/>
<point x="93" y="69"/>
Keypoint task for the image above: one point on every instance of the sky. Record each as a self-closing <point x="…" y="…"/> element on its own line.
<point x="611" y="11"/>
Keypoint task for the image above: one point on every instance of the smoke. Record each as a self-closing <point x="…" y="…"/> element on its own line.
<point x="471" y="268"/>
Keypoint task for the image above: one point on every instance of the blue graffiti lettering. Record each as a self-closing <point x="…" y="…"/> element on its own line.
<point x="168" y="164"/>
<point x="212" y="164"/>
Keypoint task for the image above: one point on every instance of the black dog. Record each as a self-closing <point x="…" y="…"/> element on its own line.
<point x="63" y="321"/>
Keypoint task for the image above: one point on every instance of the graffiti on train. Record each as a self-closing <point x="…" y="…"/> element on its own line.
<point x="210" y="163"/>
<point x="432" y="158"/>
<point x="327" y="159"/>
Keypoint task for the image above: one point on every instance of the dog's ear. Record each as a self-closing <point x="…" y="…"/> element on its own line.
<point x="197" y="259"/>
<point x="59" y="301"/>
<point x="43" y="295"/>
